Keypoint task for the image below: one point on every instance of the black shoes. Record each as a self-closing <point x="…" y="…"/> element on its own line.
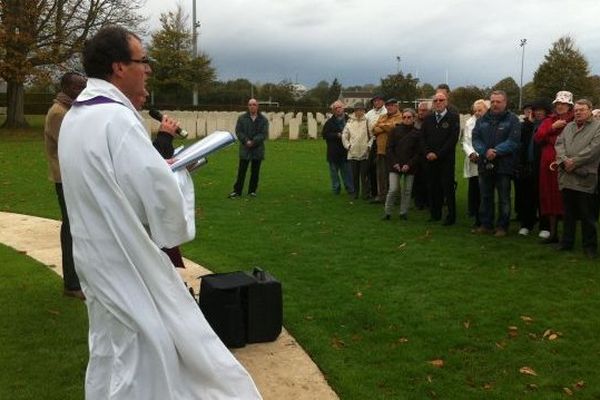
<point x="233" y="195"/>
<point x="386" y="217"/>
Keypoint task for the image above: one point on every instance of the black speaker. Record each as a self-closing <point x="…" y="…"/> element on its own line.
<point x="242" y="307"/>
<point x="222" y="298"/>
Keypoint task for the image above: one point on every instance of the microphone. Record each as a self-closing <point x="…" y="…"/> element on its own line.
<point x="157" y="115"/>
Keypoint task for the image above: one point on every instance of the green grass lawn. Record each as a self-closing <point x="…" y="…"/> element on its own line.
<point x="372" y="302"/>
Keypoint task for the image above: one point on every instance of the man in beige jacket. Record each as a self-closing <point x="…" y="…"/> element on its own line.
<point x="71" y="84"/>
<point x="381" y="131"/>
<point x="577" y="159"/>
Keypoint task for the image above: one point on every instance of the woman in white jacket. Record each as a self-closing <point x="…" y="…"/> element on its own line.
<point x="355" y="139"/>
<point x="480" y="107"/>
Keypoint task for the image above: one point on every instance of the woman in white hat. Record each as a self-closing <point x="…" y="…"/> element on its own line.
<point x="551" y="204"/>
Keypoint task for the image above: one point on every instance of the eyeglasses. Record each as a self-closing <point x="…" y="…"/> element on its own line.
<point x="143" y="60"/>
<point x="407" y="117"/>
<point x="439" y="100"/>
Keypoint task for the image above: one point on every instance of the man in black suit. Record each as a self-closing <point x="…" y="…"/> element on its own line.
<point x="440" y="134"/>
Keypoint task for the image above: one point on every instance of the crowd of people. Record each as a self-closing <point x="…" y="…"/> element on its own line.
<point x="550" y="155"/>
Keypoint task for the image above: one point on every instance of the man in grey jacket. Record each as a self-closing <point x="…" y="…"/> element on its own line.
<point x="577" y="159"/>
<point x="252" y="130"/>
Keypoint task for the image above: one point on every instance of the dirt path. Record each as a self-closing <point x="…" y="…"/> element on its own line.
<point x="281" y="369"/>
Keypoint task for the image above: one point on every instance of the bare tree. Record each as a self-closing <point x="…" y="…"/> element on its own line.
<point x="36" y="34"/>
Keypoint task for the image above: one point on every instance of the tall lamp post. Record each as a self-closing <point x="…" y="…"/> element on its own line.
<point x="195" y="26"/>
<point x="523" y="43"/>
<point x="398" y="59"/>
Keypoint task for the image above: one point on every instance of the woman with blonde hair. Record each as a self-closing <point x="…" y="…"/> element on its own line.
<point x="470" y="172"/>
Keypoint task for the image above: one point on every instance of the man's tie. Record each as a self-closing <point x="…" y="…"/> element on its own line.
<point x="438" y="117"/>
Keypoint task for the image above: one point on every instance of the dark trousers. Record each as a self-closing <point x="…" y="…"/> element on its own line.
<point x="488" y="183"/>
<point x="474" y="198"/>
<point x="419" y="189"/>
<point x="360" y="178"/>
<point x="70" y="279"/>
<point x="241" y="177"/>
<point x="526" y="200"/>
<point x="440" y="184"/>
<point x="579" y="206"/>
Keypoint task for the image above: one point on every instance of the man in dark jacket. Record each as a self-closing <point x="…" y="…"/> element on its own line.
<point x="496" y="139"/>
<point x="337" y="155"/>
<point x="440" y="131"/>
<point x="252" y="130"/>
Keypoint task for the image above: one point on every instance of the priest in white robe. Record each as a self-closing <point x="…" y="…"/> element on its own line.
<point x="148" y="339"/>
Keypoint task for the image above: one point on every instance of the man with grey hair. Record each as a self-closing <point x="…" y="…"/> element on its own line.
<point x="423" y="110"/>
<point x="252" y="130"/>
<point x="577" y="159"/>
<point x="496" y="139"/>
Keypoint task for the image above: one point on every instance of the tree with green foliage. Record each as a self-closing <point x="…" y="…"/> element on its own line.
<point x="426" y="91"/>
<point x="463" y="97"/>
<point x="281" y="92"/>
<point x="35" y="34"/>
<point x="399" y="86"/>
<point x="510" y="86"/>
<point x="334" y="91"/>
<point x="175" y="70"/>
<point x="564" y="68"/>
<point x="317" y="96"/>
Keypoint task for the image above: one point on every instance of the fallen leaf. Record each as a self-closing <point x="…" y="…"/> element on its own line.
<point x="488" y="386"/>
<point x="403" y="340"/>
<point x="579" y="385"/>
<point x="568" y="391"/>
<point x="437" y="363"/>
<point x="359" y="294"/>
<point x="547" y="332"/>
<point x="500" y="345"/>
<point x="337" y="343"/>
<point x="402" y="245"/>
<point x="467" y="324"/>
<point x="429" y="379"/>
<point x="553" y="336"/>
<point x="532" y="386"/>
<point x="309" y="317"/>
<point x="513" y="331"/>
<point x="54" y="312"/>
<point x="527" y="319"/>
<point x="527" y="371"/>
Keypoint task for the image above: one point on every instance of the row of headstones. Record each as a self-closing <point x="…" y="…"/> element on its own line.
<point x="200" y="123"/>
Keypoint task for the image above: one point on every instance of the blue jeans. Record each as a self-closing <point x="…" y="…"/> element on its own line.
<point x="335" y="170"/>
<point x="487" y="183"/>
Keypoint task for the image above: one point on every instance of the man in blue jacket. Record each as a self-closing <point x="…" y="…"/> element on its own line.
<point x="496" y="139"/>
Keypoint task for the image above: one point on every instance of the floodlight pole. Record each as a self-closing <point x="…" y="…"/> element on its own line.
<point x="195" y="26"/>
<point x="523" y="43"/>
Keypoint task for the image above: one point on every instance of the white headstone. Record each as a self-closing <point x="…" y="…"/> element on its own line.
<point x="294" y="129"/>
<point x="312" y="128"/>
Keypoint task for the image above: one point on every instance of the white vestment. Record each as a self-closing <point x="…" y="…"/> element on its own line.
<point x="148" y="338"/>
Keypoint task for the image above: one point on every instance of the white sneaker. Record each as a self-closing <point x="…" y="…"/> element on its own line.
<point x="524" y="231"/>
<point x="544" y="234"/>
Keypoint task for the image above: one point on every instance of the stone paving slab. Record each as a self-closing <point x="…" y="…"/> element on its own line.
<point x="281" y="369"/>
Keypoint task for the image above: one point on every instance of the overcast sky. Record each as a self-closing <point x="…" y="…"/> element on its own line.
<point x="358" y="41"/>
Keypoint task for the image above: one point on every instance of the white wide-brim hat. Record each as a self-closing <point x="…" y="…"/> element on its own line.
<point x="564" y="97"/>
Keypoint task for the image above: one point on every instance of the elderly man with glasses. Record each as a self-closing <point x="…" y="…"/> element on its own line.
<point x="440" y="134"/>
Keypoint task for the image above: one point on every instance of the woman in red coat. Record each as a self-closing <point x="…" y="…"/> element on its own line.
<point x="550" y="199"/>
